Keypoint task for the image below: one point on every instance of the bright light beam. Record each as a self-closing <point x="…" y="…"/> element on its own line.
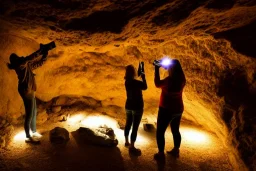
<point x="20" y="136"/>
<point x="96" y="121"/>
<point x="166" y="62"/>
<point x="75" y="119"/>
<point x="194" y="136"/>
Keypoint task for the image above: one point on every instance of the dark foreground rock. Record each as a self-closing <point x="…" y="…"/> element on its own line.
<point x="59" y="135"/>
<point x="102" y="136"/>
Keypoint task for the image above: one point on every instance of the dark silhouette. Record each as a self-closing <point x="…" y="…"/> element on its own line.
<point x="23" y="67"/>
<point x="134" y="106"/>
<point x="170" y="107"/>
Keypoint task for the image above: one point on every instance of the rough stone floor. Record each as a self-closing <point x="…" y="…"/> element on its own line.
<point x="200" y="150"/>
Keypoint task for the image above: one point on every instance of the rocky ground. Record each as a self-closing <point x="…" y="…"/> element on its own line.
<point x="200" y="150"/>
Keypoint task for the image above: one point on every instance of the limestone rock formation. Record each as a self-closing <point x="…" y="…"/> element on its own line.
<point x="6" y="130"/>
<point x="213" y="39"/>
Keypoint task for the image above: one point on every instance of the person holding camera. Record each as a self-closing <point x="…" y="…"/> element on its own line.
<point x="24" y="67"/>
<point x="170" y="106"/>
<point x="134" y="104"/>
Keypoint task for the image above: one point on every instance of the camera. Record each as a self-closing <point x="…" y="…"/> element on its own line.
<point x="157" y="63"/>
<point x="48" y="46"/>
<point x="141" y="69"/>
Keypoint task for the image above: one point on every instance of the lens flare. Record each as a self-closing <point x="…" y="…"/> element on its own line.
<point x="166" y="62"/>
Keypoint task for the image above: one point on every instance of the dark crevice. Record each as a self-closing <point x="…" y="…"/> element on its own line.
<point x="177" y="13"/>
<point x="101" y="21"/>
<point x="112" y="21"/>
<point x="220" y="4"/>
<point x="243" y="39"/>
<point x="239" y="110"/>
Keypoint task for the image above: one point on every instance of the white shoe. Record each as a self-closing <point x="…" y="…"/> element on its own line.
<point x="36" y="135"/>
<point x="32" y="140"/>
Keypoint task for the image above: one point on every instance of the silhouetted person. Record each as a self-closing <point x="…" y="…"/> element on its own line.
<point x="170" y="107"/>
<point x="23" y="67"/>
<point x="134" y="105"/>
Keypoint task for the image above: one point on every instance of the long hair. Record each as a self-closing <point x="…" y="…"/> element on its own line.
<point x="177" y="74"/>
<point x="130" y="72"/>
<point x="13" y="61"/>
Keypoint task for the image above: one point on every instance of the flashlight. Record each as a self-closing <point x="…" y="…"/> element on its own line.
<point x="165" y="62"/>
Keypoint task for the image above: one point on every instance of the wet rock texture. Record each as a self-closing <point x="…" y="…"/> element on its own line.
<point x="213" y="39"/>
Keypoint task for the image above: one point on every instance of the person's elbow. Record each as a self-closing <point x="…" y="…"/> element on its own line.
<point x="145" y="87"/>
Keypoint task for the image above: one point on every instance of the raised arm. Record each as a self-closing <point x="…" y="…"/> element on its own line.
<point x="158" y="83"/>
<point x="34" y="56"/>
<point x="144" y="85"/>
<point x="40" y="62"/>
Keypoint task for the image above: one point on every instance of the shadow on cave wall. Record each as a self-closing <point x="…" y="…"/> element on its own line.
<point x="243" y="39"/>
<point x="220" y="4"/>
<point x="177" y="13"/>
<point x="101" y="21"/>
<point x="239" y="112"/>
<point x="113" y="21"/>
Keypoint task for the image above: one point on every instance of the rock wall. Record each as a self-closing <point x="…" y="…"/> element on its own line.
<point x="214" y="40"/>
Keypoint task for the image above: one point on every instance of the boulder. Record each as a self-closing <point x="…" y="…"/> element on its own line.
<point x="59" y="135"/>
<point x="103" y="136"/>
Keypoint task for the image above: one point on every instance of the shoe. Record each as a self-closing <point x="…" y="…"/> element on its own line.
<point x="135" y="151"/>
<point x="159" y="157"/>
<point x="127" y="144"/>
<point x="32" y="140"/>
<point x="36" y="135"/>
<point x="174" y="152"/>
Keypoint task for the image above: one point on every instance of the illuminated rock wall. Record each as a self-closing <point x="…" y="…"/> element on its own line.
<point x="214" y="41"/>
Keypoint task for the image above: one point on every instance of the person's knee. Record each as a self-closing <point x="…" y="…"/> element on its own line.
<point x="159" y="134"/>
<point x="176" y="134"/>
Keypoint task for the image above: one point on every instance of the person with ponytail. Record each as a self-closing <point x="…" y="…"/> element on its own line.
<point x="170" y="107"/>
<point x="24" y="66"/>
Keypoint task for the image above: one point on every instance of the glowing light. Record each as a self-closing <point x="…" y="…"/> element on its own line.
<point x="194" y="136"/>
<point x="166" y="61"/>
<point x="20" y="136"/>
<point x="75" y="119"/>
<point x="96" y="121"/>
